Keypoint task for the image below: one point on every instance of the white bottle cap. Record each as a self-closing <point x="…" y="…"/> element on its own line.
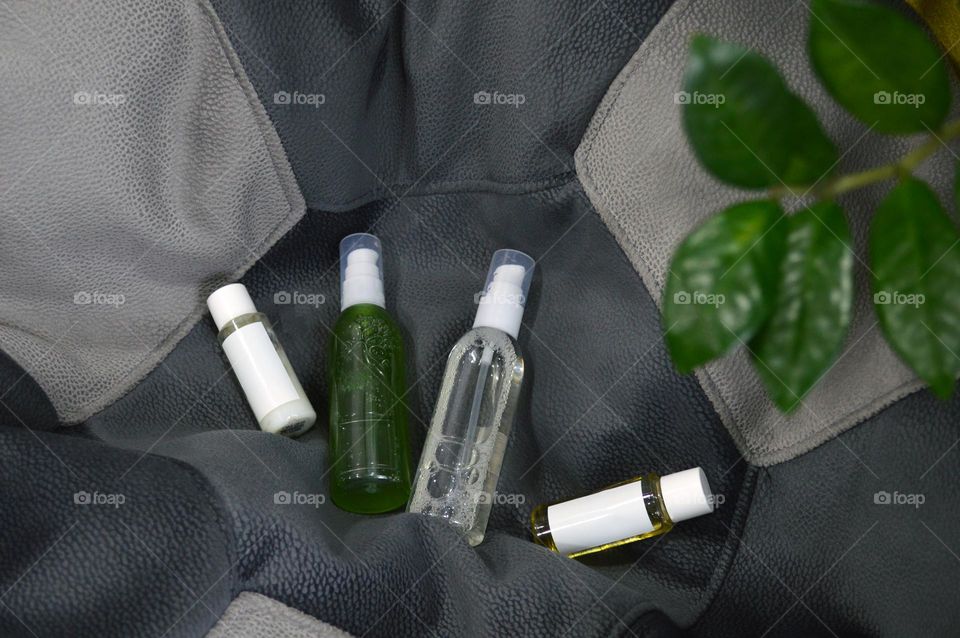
<point x="686" y="494"/>
<point x="505" y="293"/>
<point x="361" y="271"/>
<point x="229" y="302"/>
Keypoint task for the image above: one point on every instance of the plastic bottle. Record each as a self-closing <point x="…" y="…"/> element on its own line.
<point x="369" y="448"/>
<point x="623" y="513"/>
<point x="260" y="364"/>
<point x="464" y="449"/>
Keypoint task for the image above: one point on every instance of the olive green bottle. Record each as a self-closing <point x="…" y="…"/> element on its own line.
<point x="369" y="449"/>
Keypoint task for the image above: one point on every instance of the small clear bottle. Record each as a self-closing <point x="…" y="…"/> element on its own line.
<point x="260" y="364"/>
<point x="369" y="445"/>
<point x="623" y="513"/>
<point x="464" y="449"/>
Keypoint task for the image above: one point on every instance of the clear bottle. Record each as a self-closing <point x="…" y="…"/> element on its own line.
<point x="369" y="446"/>
<point x="260" y="364"/>
<point x="464" y="449"/>
<point x="623" y="513"/>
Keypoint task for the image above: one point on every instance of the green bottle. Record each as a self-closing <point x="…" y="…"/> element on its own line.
<point x="369" y="448"/>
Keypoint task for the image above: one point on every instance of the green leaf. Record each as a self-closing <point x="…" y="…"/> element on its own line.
<point x="916" y="262"/>
<point x="806" y="331"/>
<point x="744" y="124"/>
<point x="879" y="65"/>
<point x="722" y="282"/>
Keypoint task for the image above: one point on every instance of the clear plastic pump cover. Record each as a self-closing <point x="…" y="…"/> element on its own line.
<point x="505" y="293"/>
<point x="361" y="271"/>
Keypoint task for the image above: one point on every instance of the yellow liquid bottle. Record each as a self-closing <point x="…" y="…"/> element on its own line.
<point x="623" y="513"/>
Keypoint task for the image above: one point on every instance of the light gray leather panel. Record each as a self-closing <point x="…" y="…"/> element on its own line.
<point x="645" y="182"/>
<point x="140" y="170"/>
<point x="251" y="615"/>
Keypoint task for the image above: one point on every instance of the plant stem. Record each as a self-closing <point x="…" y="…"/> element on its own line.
<point x="905" y="165"/>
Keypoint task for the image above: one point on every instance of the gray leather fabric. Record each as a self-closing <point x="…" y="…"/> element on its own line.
<point x="251" y="615"/>
<point x="403" y="86"/>
<point x="139" y="171"/>
<point x="858" y="537"/>
<point x="603" y="401"/>
<point x="645" y="182"/>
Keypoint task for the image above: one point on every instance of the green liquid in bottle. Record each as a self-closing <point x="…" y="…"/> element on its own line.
<point x="369" y="448"/>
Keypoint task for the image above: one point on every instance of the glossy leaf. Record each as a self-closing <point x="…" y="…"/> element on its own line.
<point x="915" y="257"/>
<point x="722" y="282"/>
<point x="744" y="124"/>
<point x="879" y="65"/>
<point x="806" y="331"/>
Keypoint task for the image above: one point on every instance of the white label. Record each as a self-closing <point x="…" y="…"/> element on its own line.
<point x="259" y="369"/>
<point x="598" y="519"/>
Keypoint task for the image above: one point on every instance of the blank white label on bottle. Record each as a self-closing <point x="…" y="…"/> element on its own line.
<point x="258" y="367"/>
<point x="598" y="519"/>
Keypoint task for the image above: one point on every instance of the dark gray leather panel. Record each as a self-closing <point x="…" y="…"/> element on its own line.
<point x="84" y="552"/>
<point x="841" y="530"/>
<point x="399" y="80"/>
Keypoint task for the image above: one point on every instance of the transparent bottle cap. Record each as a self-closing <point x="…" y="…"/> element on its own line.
<point x="361" y="271"/>
<point x="505" y="293"/>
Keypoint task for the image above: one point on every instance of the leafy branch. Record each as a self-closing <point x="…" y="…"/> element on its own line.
<point x="783" y="284"/>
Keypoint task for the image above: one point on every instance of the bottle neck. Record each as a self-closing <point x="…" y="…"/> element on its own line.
<point x="501" y="316"/>
<point x="358" y="290"/>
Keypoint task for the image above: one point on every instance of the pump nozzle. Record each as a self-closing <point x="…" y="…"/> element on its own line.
<point x="361" y="271"/>
<point x="505" y="293"/>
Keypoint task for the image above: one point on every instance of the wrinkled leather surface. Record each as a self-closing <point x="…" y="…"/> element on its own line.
<point x="394" y="574"/>
<point x="86" y="550"/>
<point x="816" y="533"/>
<point x="399" y="80"/>
<point x="590" y="308"/>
